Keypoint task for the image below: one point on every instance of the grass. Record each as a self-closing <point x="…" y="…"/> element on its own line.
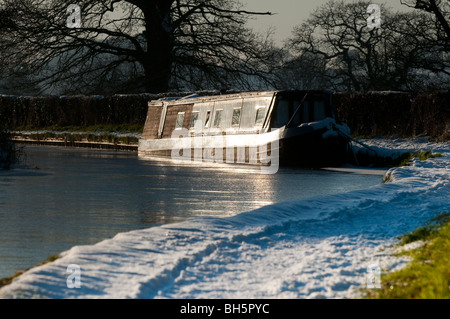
<point x="387" y="178"/>
<point x="427" y="276"/>
<point x="366" y="159"/>
<point x="7" y="281"/>
<point x="120" y="128"/>
<point x="91" y="134"/>
<point x="406" y="158"/>
<point x="421" y="155"/>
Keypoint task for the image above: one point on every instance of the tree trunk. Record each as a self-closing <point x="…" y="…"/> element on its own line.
<point x="158" y="59"/>
<point x="440" y="17"/>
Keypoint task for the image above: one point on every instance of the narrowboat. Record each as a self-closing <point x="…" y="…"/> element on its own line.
<point x="270" y="128"/>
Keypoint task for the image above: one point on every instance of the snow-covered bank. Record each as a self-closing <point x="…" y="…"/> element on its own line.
<point x="319" y="247"/>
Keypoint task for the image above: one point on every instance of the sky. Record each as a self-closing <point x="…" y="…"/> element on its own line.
<point x="289" y="13"/>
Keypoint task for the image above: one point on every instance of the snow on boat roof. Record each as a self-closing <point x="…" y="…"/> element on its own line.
<point x="196" y="97"/>
<point x="199" y="98"/>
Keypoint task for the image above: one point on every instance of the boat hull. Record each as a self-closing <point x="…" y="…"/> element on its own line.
<point x="311" y="149"/>
<point x="297" y="146"/>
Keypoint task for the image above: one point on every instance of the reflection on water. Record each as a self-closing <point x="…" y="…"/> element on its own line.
<point x="66" y="197"/>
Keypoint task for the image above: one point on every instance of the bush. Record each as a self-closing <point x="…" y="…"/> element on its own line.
<point x="9" y="155"/>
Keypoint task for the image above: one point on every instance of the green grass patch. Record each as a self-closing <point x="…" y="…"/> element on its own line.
<point x="421" y="155"/>
<point x="369" y="159"/>
<point x="405" y="159"/>
<point x="387" y="178"/>
<point x="9" y="280"/>
<point x="427" y="276"/>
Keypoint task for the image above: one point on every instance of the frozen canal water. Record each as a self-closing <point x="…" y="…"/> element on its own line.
<point x="321" y="246"/>
<point x="82" y="196"/>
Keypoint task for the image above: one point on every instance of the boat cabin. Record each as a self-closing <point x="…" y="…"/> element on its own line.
<point x="253" y="112"/>
<point x="264" y="128"/>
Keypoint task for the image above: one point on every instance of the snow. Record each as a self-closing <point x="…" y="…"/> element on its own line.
<point x="315" y="248"/>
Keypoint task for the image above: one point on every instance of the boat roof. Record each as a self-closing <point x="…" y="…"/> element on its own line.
<point x="196" y="98"/>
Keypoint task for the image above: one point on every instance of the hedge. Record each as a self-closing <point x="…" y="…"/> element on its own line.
<point x="367" y="114"/>
<point x="395" y="113"/>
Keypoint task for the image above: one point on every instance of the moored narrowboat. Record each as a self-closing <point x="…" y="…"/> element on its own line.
<point x="270" y="128"/>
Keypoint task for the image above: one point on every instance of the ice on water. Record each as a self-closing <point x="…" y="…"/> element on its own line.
<point x="321" y="247"/>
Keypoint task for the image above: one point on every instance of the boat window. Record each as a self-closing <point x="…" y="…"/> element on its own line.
<point x="194" y="118"/>
<point x="218" y="118"/>
<point x="319" y="110"/>
<point x="180" y="120"/>
<point x="208" y="117"/>
<point x="260" y="112"/>
<point x="282" y="115"/>
<point x="236" y="119"/>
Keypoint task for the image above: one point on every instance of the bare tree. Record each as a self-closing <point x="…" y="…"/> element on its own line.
<point x="358" y="57"/>
<point x="302" y="72"/>
<point x="14" y="78"/>
<point x="440" y="9"/>
<point x="159" y="44"/>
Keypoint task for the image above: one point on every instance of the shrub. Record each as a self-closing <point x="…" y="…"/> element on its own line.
<point x="9" y="155"/>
